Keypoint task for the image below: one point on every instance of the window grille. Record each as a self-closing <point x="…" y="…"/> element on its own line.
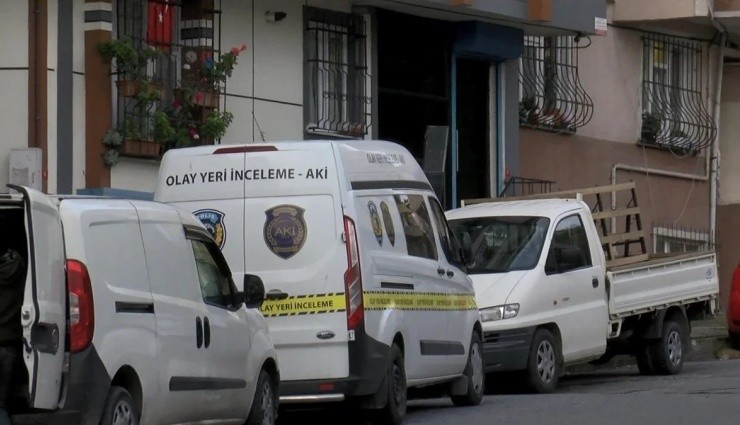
<point x="185" y="33"/>
<point x="674" y="114"/>
<point x="670" y="238"/>
<point x="335" y="73"/>
<point x="551" y="94"/>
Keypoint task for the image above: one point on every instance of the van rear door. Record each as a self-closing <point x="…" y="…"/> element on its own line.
<point x="44" y="311"/>
<point x="293" y="240"/>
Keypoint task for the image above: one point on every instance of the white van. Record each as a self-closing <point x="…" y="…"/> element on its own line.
<point x="367" y="293"/>
<point x="131" y="316"/>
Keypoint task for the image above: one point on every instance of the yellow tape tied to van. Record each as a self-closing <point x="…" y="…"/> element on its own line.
<point x="373" y="300"/>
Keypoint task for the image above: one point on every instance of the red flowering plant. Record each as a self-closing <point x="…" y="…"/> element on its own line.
<point x="193" y="118"/>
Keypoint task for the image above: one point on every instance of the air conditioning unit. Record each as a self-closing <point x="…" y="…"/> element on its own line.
<point x="25" y="167"/>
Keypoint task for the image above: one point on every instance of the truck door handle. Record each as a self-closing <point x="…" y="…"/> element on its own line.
<point x="276" y="294"/>
<point x="595" y="282"/>
<point x="441" y="271"/>
<point x="198" y="332"/>
<point x="207" y="331"/>
<point x="450" y="273"/>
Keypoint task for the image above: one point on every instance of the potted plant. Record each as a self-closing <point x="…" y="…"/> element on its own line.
<point x="203" y="85"/>
<point x="130" y="63"/>
<point x="652" y="123"/>
<point x="137" y="143"/>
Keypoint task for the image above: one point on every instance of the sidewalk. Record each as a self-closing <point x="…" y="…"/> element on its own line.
<point x="709" y="340"/>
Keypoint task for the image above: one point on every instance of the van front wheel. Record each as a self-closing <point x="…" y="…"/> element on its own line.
<point x="395" y="380"/>
<point x="543" y="366"/>
<point x="475" y="374"/>
<point x="120" y="408"/>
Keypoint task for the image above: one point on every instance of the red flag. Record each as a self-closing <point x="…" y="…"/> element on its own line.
<point x="159" y="28"/>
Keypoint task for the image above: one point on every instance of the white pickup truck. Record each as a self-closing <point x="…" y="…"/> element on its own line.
<point x="548" y="299"/>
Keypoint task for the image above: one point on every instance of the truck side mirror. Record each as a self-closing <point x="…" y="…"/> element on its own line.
<point x="254" y="291"/>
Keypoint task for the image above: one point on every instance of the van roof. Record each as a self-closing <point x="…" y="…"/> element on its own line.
<point x="550" y="208"/>
<point x="363" y="160"/>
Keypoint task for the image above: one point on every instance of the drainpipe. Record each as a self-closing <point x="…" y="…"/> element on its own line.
<point x="711" y="167"/>
<point x="714" y="181"/>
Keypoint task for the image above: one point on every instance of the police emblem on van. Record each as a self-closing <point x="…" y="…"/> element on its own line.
<point x="214" y="222"/>
<point x="388" y="221"/>
<point x="376" y="223"/>
<point x="285" y="230"/>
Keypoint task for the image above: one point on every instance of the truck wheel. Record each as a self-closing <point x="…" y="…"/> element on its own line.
<point x="667" y="353"/>
<point x="475" y="374"/>
<point x="644" y="362"/>
<point x="120" y="408"/>
<point x="395" y="407"/>
<point x="543" y="366"/>
<point x="264" y="405"/>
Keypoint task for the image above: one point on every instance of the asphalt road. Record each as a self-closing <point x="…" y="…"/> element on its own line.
<point x="704" y="393"/>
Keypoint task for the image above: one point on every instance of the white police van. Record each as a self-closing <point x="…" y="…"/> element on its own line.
<point x="367" y="294"/>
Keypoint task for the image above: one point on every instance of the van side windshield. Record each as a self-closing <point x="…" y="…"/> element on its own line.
<point x="501" y="244"/>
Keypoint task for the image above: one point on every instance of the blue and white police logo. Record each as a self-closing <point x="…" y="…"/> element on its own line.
<point x="375" y="222"/>
<point x="214" y="222"/>
<point x="285" y="230"/>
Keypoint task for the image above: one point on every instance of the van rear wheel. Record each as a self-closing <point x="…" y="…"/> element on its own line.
<point x="395" y="407"/>
<point x="120" y="408"/>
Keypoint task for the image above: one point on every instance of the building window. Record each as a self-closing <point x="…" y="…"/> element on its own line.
<point x="551" y="96"/>
<point x="336" y="101"/>
<point x="671" y="239"/>
<point x="674" y="112"/>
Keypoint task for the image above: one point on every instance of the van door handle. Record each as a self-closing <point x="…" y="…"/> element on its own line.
<point x="450" y="273"/>
<point x="275" y="294"/>
<point x="207" y="331"/>
<point x="198" y="332"/>
<point x="441" y="271"/>
<point x="595" y="282"/>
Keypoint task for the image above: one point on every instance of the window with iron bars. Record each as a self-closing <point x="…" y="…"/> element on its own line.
<point x="335" y="73"/>
<point x="551" y="95"/>
<point x="674" y="113"/>
<point x="180" y="38"/>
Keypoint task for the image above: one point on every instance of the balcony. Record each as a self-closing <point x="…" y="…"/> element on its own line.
<point x="628" y="11"/>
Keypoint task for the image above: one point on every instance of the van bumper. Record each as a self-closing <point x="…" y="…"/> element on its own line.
<point x="507" y="350"/>
<point x="368" y="362"/>
<point x="87" y="390"/>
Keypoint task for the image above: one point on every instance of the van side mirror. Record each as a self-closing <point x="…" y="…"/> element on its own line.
<point x="254" y="291"/>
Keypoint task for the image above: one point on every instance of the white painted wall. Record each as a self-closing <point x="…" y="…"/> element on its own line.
<point x="78" y="93"/>
<point x="51" y="95"/>
<point x="13" y="82"/>
<point x="135" y="174"/>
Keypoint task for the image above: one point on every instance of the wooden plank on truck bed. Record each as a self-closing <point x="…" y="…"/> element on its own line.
<point x="623" y="237"/>
<point x="555" y="195"/>
<point x="622" y="261"/>
<point x="616" y="213"/>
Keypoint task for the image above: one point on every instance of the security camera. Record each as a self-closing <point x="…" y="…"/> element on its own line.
<point x="275" y="16"/>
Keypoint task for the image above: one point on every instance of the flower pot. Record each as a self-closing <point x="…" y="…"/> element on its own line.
<point x="141" y="148"/>
<point x="130" y="88"/>
<point x="208" y="99"/>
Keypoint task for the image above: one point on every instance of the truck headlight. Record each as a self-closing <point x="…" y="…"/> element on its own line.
<point x="499" y="312"/>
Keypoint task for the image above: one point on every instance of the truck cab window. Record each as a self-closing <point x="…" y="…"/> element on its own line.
<point x="569" y="249"/>
<point x="216" y="284"/>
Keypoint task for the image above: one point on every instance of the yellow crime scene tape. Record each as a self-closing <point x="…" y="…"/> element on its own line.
<point x="373" y="300"/>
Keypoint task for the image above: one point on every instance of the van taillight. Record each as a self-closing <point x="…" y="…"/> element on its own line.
<point x="81" y="312"/>
<point x="353" y="277"/>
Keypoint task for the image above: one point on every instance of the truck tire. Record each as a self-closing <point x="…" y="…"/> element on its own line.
<point x="667" y="353"/>
<point x="644" y="362"/>
<point x="543" y="365"/>
<point x="120" y="408"/>
<point x="476" y="375"/>
<point x="395" y="407"/>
